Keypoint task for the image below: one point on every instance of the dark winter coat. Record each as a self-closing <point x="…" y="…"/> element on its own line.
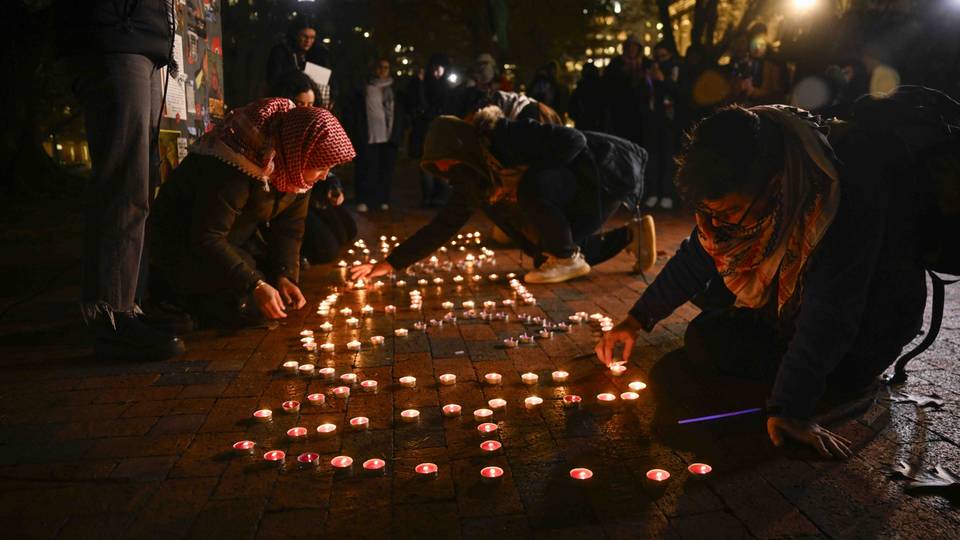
<point x="603" y="161"/>
<point x="354" y="119"/>
<point x="211" y="220"/>
<point x="109" y="26"/>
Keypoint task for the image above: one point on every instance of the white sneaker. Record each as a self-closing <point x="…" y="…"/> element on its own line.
<point x="651" y="202"/>
<point x="384" y="206"/>
<point x="643" y="245"/>
<point x="362" y="208"/>
<point x="666" y="203"/>
<point x="557" y="270"/>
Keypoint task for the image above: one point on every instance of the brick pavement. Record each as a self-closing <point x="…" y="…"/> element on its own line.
<point x="144" y="450"/>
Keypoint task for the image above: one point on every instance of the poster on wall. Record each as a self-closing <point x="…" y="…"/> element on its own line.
<point x="194" y="101"/>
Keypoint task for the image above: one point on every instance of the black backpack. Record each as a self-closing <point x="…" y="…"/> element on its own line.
<point x="927" y="124"/>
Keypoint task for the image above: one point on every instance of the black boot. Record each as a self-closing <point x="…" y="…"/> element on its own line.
<point x="129" y="338"/>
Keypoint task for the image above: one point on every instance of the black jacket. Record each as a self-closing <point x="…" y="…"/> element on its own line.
<point x="116" y="26"/>
<point x="208" y="209"/>
<point x="603" y="161"/>
<point x="863" y="290"/>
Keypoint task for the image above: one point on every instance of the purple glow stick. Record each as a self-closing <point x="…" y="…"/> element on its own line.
<point x="719" y="416"/>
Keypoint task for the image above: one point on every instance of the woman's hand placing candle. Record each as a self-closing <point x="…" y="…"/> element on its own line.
<point x="367" y="271"/>
<point x="824" y="441"/>
<point x="626" y="333"/>
<point x="291" y="293"/>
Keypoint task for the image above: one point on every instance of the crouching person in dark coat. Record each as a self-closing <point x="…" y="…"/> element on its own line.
<point x="230" y="221"/>
<point x="549" y="187"/>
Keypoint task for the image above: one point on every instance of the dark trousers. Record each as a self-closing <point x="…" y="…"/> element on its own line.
<point x="566" y="215"/>
<point x="326" y="231"/>
<point x="658" y="141"/>
<point x="121" y="95"/>
<point x="375" y="166"/>
<point x="435" y="190"/>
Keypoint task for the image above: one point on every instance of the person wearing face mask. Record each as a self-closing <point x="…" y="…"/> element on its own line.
<point x="229" y="222"/>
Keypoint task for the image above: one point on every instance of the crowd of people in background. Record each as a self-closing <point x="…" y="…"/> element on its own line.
<point x="651" y="100"/>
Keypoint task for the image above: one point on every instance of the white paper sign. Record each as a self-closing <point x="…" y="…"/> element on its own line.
<point x="318" y="73"/>
<point x="176" y="103"/>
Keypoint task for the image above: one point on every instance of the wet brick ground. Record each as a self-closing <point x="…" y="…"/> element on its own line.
<point x="89" y="449"/>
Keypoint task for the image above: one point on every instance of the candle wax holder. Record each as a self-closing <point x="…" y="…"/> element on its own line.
<point x="308" y="459"/>
<point x="342" y="392"/>
<point x="370" y="385"/>
<point x="482" y="415"/>
<point x="348" y="378"/>
<point x="606" y="398"/>
<point x="491" y="473"/>
<point x="359" y="423"/>
<point x="326" y="430"/>
<point x="572" y="401"/>
<point x="532" y="402"/>
<point x="490" y="447"/>
<point x="487" y="429"/>
<point x="291" y="406"/>
<point x="529" y="379"/>
<point x="448" y="379"/>
<point x="317" y="399"/>
<point x="297" y="433"/>
<point x="244" y="447"/>
<point x="410" y="416"/>
<point x="306" y="369"/>
<point x="493" y="378"/>
<point x="375" y="466"/>
<point x="560" y="376"/>
<point x="427" y="470"/>
<point x="342" y="463"/>
<point x="263" y="415"/>
<point x="275" y="456"/>
<point x="291" y="366"/>
<point x="657" y="475"/>
<point x="328" y="373"/>
<point x="637" y="386"/>
<point x="699" y="468"/>
<point x="408" y="381"/>
<point x="451" y="410"/>
<point x="497" y="404"/>
<point x="581" y="473"/>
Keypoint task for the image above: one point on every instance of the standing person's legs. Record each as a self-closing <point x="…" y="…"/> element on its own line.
<point x="121" y="95"/>
<point x="388" y="160"/>
<point x="365" y="174"/>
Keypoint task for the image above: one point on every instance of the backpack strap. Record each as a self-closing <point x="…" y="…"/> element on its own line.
<point x="936" y="318"/>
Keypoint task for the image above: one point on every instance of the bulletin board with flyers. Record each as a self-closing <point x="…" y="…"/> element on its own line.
<point x="194" y="100"/>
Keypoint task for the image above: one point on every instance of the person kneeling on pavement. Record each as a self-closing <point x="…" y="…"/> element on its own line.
<point x="549" y="187"/>
<point x="805" y="265"/>
<point x="230" y="221"/>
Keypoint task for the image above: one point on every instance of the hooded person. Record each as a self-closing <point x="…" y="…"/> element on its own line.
<point x="549" y="187"/>
<point x="229" y="222"/>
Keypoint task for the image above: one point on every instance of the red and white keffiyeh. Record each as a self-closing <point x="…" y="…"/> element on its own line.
<point x="275" y="141"/>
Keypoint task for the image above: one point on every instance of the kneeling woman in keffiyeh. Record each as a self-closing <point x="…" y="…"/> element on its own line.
<point x="804" y="260"/>
<point x="229" y="222"/>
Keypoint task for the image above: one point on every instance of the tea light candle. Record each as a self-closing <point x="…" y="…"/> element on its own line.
<point x="327" y="347"/>
<point x="379" y="284"/>
<point x="490" y="447"/>
<point x="275" y="456"/>
<point x="359" y="422"/>
<point x="308" y="459"/>
<point x="353" y="345"/>
<point x="367" y="310"/>
<point x="326" y="430"/>
<point x="376" y="340"/>
<point x="487" y="428"/>
<point x="451" y="410"/>
<point x="401" y="283"/>
<point x="297" y="433"/>
<point x="510" y="343"/>
<point x="346" y="312"/>
<point x="263" y="415"/>
<point x="342" y="392"/>
<point x="482" y="415"/>
<point x="497" y="404"/>
<point x="427" y="470"/>
<point x="532" y="402"/>
<point x="617" y="369"/>
<point x="316" y="399"/>
<point x="400" y="332"/>
<point x="507" y="302"/>
<point x="342" y="264"/>
<point x="375" y="466"/>
<point x="369" y="385"/>
<point x="447" y="305"/>
<point x="529" y="378"/>
<point x="560" y="376"/>
<point x="491" y="473"/>
<point x="306" y="332"/>
<point x="291" y="366"/>
<point x="437" y="280"/>
<point x="581" y="473"/>
<point x="341" y="462"/>
<point x="326" y="327"/>
<point x="657" y="475"/>
<point x="562" y="327"/>
<point x="291" y="406"/>
<point x="544" y="334"/>
<point x="353" y="322"/>
<point x="489" y="304"/>
<point x="312" y="346"/>
<point x="419" y="325"/>
<point x="574" y="318"/>
<point x="629" y="396"/>
<point x="328" y="373"/>
<point x="468" y="304"/>
<point x="493" y="277"/>
<point x="410" y="415"/>
<point x="244" y="447"/>
<point x="637" y="386"/>
<point x="390" y="309"/>
<point x="457" y="279"/>
<point x="606" y="398"/>
<point x="525" y="339"/>
<point x="422" y="282"/>
<point x="572" y="400"/>
<point x="408" y="381"/>
<point x="448" y="379"/>
<point x="493" y="378"/>
<point x="699" y="468"/>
